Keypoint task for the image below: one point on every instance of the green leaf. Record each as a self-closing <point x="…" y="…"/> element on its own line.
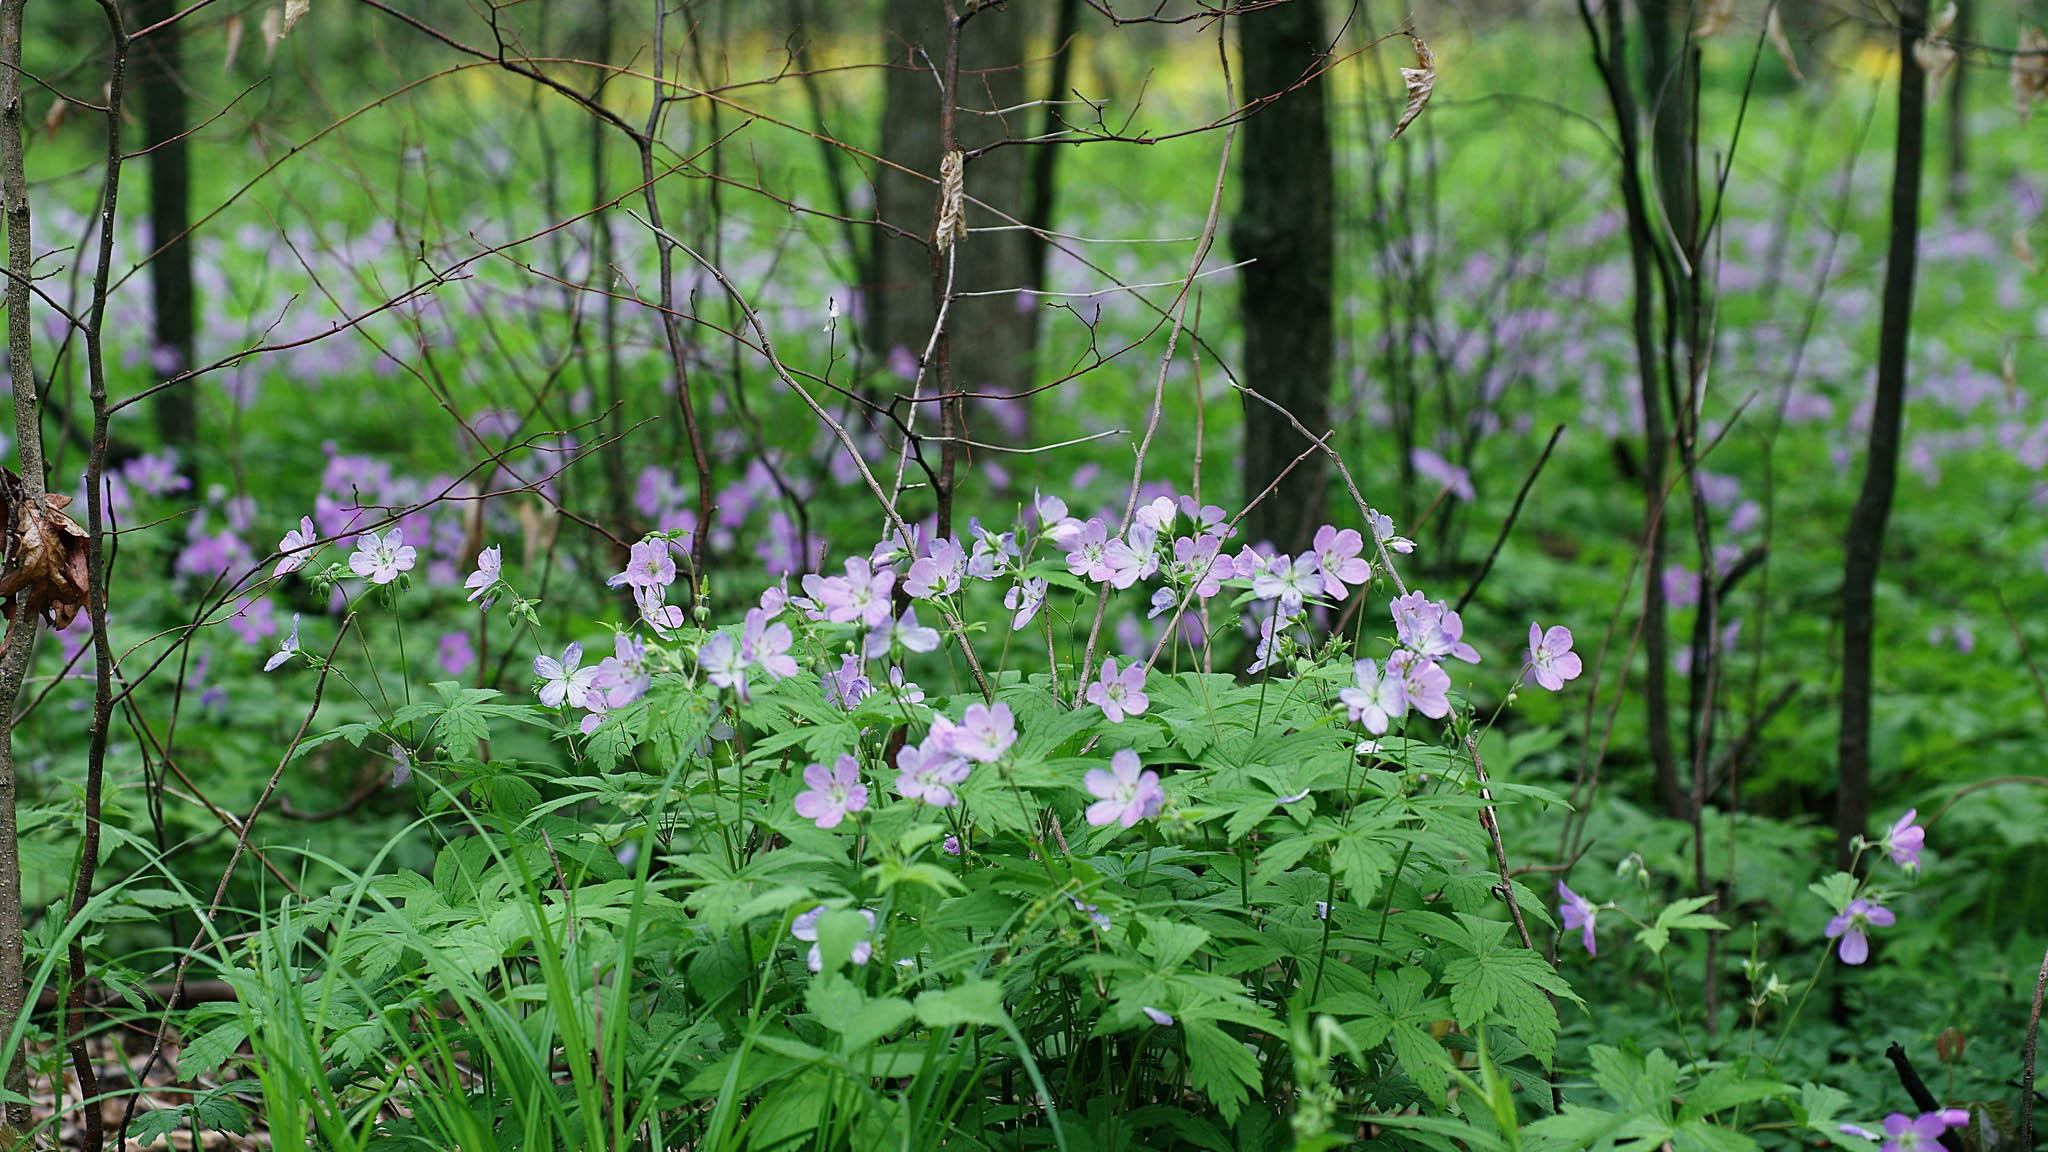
<point x="1220" y="1067"/>
<point x="974" y="1002"/>
<point x="204" y="1054"/>
<point x="837" y="1004"/>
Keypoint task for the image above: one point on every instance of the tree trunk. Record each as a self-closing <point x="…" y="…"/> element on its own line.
<point x="1865" y="542"/>
<point x="162" y="97"/>
<point x="990" y="335"/>
<point x="1283" y="225"/>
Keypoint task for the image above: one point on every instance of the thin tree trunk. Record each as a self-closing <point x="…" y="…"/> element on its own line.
<point x="170" y="217"/>
<point x="1283" y="224"/>
<point x="1958" y="108"/>
<point x="20" y="641"/>
<point x="1865" y="541"/>
<point x="987" y="341"/>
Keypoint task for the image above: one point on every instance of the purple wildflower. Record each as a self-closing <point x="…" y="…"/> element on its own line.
<point x="834" y="792"/>
<point x="1163" y="1019"/>
<point x="1551" y="659"/>
<point x="985" y="733"/>
<point x="286" y="650"/>
<point x="1579" y="914"/>
<point x="563" y="681"/>
<point x="904" y="632"/>
<point x="1425" y="685"/>
<point x="846" y="687"/>
<point x="297" y="547"/>
<point x="380" y="559"/>
<point x="1087" y="552"/>
<point x="1025" y="600"/>
<point x="650" y="565"/>
<point x="1913" y="1134"/>
<point x="1904" y="842"/>
<point x="1125" y="794"/>
<point x="1431" y="629"/>
<point x="1852" y="927"/>
<point x="1287" y="580"/>
<point x="930" y="772"/>
<point x="1376" y="698"/>
<point x="1338" y="559"/>
<point x="1120" y="694"/>
<point x="489" y="570"/>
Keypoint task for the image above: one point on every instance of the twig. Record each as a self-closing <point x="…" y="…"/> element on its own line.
<point x="1508" y="525"/>
<point x="2027" y="1052"/>
<point x="1916" y="1088"/>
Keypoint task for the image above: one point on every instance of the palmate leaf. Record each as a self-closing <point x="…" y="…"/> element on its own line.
<point x="1219" y="1066"/>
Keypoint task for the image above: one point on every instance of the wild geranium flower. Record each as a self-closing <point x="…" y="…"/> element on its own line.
<point x="805" y="928"/>
<point x="655" y="609"/>
<point x="1163" y="1019"/>
<point x="834" y="793"/>
<point x="861" y="595"/>
<point x="846" y="687"/>
<point x="1382" y="527"/>
<point x="930" y="772"/>
<point x="1579" y="914"/>
<point x="1852" y="926"/>
<point x="723" y="663"/>
<point x="1431" y="629"/>
<point x="1157" y="515"/>
<point x="1288" y="580"/>
<point x="1087" y="552"/>
<point x="1196" y="561"/>
<point x="1904" y="842"/>
<point x="1425" y="686"/>
<point x="1125" y="794"/>
<point x="1376" y="697"/>
<point x="904" y="631"/>
<point x="767" y="644"/>
<point x="381" y="559"/>
<point x="622" y="677"/>
<point x="985" y="733"/>
<point x="1053" y="522"/>
<point x="489" y="568"/>
<point x="286" y="650"/>
<point x="650" y="565"/>
<point x="906" y="690"/>
<point x="1338" y="559"/>
<point x="1551" y="659"/>
<point x="1120" y="694"/>
<point x="1920" y="1133"/>
<point x="298" y="547"/>
<point x="1132" y="557"/>
<point x="1025" y="600"/>
<point x="562" y="681"/>
<point x="938" y="573"/>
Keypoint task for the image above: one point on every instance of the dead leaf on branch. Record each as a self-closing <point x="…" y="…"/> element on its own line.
<point x="2030" y="71"/>
<point x="1420" y="82"/>
<point x="1935" y="54"/>
<point x="46" y="558"/>
<point x="1714" y="16"/>
<point x="294" y="11"/>
<point x="1774" y="28"/>
<point x="952" y="227"/>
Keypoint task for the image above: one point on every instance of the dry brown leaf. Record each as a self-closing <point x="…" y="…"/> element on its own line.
<point x="2030" y="71"/>
<point x="2023" y="249"/>
<point x="49" y="572"/>
<point x="273" y="31"/>
<point x="294" y="11"/>
<point x="1775" y="30"/>
<point x="1420" y="82"/>
<point x="227" y="61"/>
<point x="538" y="524"/>
<point x="58" y="107"/>
<point x="1714" y="16"/>
<point x="1934" y="53"/>
<point x="952" y="200"/>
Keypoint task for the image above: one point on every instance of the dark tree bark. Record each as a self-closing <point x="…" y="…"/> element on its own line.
<point x="990" y="335"/>
<point x="1045" y="158"/>
<point x="1865" y="541"/>
<point x="162" y="96"/>
<point x="1958" y="108"/>
<point x="1611" y="57"/>
<point x="1283" y="225"/>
